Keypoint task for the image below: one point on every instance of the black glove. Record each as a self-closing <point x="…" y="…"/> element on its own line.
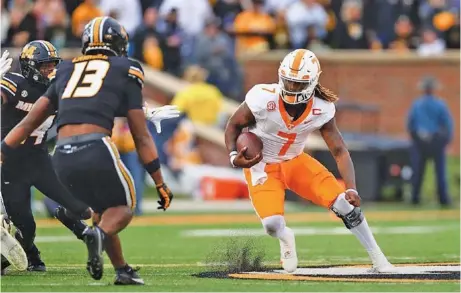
<point x="165" y="196"/>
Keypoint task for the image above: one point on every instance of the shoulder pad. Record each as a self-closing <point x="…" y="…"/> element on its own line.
<point x="259" y="95"/>
<point x="11" y="81"/>
<point x="325" y="110"/>
<point x="136" y="72"/>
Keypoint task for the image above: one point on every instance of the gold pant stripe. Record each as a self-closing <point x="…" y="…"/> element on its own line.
<point x="121" y="169"/>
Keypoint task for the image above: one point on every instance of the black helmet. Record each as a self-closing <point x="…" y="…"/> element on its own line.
<point x="103" y="35"/>
<point x="34" y="55"/>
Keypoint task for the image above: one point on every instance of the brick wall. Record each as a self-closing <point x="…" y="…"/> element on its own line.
<point x="388" y="82"/>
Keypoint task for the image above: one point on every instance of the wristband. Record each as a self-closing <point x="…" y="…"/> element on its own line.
<point x="6" y="149"/>
<point x="232" y="156"/>
<point x="152" y="166"/>
<point x="352" y="190"/>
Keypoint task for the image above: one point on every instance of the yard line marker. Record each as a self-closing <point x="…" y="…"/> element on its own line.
<point x="311" y="231"/>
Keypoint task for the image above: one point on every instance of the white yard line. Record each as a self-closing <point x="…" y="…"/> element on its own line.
<point x="299" y="231"/>
<point x="312" y="231"/>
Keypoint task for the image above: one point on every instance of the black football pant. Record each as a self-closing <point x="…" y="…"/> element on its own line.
<point x="91" y="166"/>
<point x="19" y="173"/>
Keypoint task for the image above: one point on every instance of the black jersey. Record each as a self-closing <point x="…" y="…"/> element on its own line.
<point x="20" y="97"/>
<point x="94" y="89"/>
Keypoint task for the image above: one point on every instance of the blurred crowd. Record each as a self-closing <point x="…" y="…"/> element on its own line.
<point x="170" y="35"/>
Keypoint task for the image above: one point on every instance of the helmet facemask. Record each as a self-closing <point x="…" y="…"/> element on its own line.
<point x="31" y="69"/>
<point x="295" y="91"/>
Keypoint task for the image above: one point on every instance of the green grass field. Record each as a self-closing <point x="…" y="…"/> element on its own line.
<point x="170" y="252"/>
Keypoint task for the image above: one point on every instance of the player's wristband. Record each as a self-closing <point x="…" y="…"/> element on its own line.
<point x="352" y="190"/>
<point x="232" y="156"/>
<point x="6" y="149"/>
<point x="152" y="166"/>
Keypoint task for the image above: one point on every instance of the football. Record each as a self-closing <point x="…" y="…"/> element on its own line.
<point x="252" y="142"/>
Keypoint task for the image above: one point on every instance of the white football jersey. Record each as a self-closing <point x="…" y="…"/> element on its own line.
<point x="283" y="138"/>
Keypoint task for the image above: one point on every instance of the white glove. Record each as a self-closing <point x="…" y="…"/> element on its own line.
<point x="156" y="115"/>
<point x="5" y="63"/>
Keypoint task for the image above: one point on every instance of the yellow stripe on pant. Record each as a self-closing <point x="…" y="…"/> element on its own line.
<point x="121" y="167"/>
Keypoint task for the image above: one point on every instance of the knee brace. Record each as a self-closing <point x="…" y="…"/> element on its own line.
<point x="274" y="225"/>
<point x="350" y="215"/>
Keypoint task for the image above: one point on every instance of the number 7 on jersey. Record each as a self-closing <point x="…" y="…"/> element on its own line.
<point x="290" y="137"/>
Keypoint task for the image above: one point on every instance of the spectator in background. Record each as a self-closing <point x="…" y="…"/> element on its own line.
<point x="32" y="25"/>
<point x="4" y="22"/>
<point x="147" y="28"/>
<point x="146" y="4"/>
<point x="191" y="14"/>
<point x="85" y="12"/>
<point x="17" y="11"/>
<point x="127" y="12"/>
<point x="431" y="45"/>
<point x="452" y="37"/>
<point x="122" y="138"/>
<point x="201" y="102"/>
<point x="447" y="22"/>
<point x="275" y="7"/>
<point x="56" y="30"/>
<point x="253" y="27"/>
<point x="227" y="11"/>
<point x="214" y="53"/>
<point x="404" y="37"/>
<point x="313" y="42"/>
<point x="429" y="8"/>
<point x="300" y="16"/>
<point x="152" y="54"/>
<point x="350" y="32"/>
<point x="191" y="17"/>
<point x="381" y="15"/>
<point x="171" y="40"/>
<point x="430" y="126"/>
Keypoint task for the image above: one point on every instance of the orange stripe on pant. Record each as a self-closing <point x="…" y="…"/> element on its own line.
<point x="124" y="171"/>
<point x="303" y="175"/>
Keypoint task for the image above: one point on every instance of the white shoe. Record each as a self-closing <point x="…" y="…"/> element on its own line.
<point x="288" y="257"/>
<point x="380" y="263"/>
<point x="12" y="250"/>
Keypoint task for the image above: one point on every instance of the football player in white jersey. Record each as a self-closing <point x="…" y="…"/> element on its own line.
<point x="283" y="115"/>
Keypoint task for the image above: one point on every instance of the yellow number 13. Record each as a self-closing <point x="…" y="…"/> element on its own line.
<point x="91" y="73"/>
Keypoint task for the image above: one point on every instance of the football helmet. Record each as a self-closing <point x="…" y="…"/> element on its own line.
<point x="105" y="35"/>
<point x="35" y="60"/>
<point x="298" y="76"/>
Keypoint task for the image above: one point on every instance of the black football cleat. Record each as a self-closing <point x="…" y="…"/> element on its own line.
<point x="94" y="239"/>
<point x="74" y="225"/>
<point x="127" y="276"/>
<point x="35" y="262"/>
